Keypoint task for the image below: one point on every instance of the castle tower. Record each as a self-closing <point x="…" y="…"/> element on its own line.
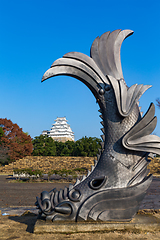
<point x="60" y="131"/>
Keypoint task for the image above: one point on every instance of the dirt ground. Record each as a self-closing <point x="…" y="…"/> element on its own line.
<point x="21" y="227"/>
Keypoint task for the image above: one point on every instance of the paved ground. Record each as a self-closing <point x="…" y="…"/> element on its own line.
<point x="152" y="198"/>
<point x="24" y="194"/>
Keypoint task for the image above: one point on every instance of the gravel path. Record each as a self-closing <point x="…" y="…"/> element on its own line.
<point x="24" y="194"/>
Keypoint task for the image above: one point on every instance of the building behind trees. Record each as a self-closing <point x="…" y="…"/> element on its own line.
<point x="60" y="131"/>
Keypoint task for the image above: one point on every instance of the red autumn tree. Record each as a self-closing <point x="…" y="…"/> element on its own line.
<point x="14" y="141"/>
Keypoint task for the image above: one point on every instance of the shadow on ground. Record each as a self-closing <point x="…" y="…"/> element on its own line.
<point x="28" y="219"/>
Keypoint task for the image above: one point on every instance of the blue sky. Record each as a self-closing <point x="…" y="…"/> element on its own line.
<point x="36" y="33"/>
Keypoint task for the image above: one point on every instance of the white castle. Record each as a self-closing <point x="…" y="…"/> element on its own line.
<point x="60" y="131"/>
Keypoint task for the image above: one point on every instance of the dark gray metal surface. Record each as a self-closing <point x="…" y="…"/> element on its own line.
<point x="114" y="187"/>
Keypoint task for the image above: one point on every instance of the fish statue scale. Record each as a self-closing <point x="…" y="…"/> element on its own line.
<point x="119" y="179"/>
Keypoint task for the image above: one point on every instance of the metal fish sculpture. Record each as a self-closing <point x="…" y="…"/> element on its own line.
<point x="117" y="183"/>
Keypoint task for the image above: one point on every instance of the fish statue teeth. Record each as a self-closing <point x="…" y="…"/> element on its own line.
<point x="114" y="188"/>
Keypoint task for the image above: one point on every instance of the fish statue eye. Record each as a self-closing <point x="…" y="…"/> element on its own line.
<point x="107" y="88"/>
<point x="98" y="182"/>
<point x="75" y="195"/>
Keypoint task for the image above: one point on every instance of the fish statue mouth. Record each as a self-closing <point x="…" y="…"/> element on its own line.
<point x="119" y="179"/>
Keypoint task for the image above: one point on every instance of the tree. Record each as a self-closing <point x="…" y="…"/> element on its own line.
<point x="44" y="146"/>
<point x="87" y="146"/>
<point x="158" y="102"/>
<point x="65" y="149"/>
<point x="14" y="143"/>
<point x="59" y="148"/>
<point x="1" y="133"/>
<point x="3" y="150"/>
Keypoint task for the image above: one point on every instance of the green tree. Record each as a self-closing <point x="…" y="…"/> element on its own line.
<point x="87" y="146"/>
<point x="69" y="148"/>
<point x="4" y="157"/>
<point x="59" y="148"/>
<point x="44" y="146"/>
<point x="1" y="133"/>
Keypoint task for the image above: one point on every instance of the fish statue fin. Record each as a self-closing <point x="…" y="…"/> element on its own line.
<point x="105" y="51"/>
<point x="81" y="57"/>
<point x="80" y="66"/>
<point x="138" y="137"/>
<point x="126" y="98"/>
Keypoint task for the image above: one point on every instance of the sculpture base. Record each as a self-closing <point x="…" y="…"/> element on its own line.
<point x="139" y="223"/>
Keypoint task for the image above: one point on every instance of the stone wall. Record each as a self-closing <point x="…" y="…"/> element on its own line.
<point x="154" y="166"/>
<point x="56" y="163"/>
<point x="49" y="163"/>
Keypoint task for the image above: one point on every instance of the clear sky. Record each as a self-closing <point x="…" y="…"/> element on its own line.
<point x="34" y="33"/>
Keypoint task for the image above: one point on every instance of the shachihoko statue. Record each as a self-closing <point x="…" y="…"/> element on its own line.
<point x="117" y="183"/>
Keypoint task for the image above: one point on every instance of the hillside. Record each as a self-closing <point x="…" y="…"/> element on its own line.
<point x="46" y="164"/>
